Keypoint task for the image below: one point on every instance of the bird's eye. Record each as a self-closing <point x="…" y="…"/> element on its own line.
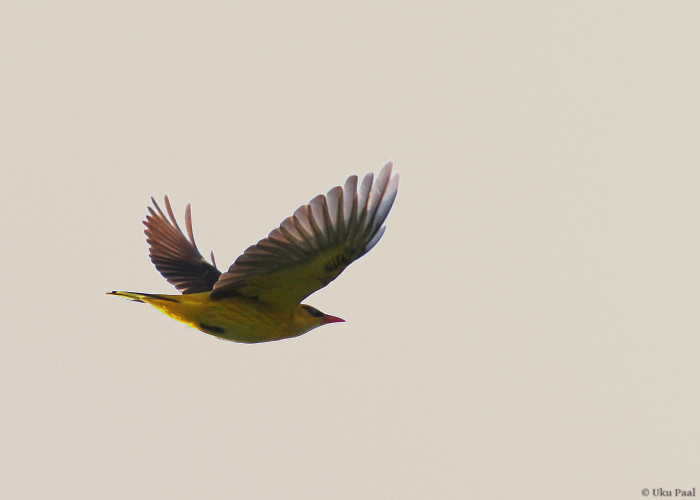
<point x="313" y="311"/>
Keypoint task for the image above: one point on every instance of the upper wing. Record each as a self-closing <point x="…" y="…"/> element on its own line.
<point x="313" y="246"/>
<point x="178" y="259"/>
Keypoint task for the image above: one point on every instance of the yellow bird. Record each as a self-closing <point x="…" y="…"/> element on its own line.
<point x="259" y="298"/>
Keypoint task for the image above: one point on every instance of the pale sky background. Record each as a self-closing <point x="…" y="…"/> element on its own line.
<point x="527" y="328"/>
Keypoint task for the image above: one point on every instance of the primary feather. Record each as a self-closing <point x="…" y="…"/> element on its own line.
<point x="176" y="257"/>
<point x="313" y="246"/>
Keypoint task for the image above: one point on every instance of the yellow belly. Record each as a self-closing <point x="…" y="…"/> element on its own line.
<point x="238" y="319"/>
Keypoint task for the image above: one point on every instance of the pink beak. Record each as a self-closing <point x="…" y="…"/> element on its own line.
<point x="331" y="319"/>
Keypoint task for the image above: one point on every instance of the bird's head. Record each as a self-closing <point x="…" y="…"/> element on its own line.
<point x="309" y="318"/>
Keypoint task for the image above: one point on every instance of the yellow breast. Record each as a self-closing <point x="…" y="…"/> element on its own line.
<point x="239" y="319"/>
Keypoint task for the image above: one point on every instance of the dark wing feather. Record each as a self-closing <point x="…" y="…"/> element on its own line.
<point x="313" y="246"/>
<point x="176" y="257"/>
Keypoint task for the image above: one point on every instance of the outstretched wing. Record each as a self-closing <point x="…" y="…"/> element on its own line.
<point x="176" y="257"/>
<point x="313" y="246"/>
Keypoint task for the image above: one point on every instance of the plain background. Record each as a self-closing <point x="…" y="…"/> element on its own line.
<point x="527" y="328"/>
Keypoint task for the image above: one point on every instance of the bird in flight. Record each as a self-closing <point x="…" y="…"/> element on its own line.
<point x="259" y="298"/>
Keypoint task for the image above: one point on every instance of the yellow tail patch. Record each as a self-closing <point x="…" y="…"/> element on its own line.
<point x="139" y="297"/>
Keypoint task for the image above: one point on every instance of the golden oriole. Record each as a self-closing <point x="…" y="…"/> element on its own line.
<point x="259" y="298"/>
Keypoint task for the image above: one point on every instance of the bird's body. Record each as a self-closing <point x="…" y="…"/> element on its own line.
<point x="240" y="319"/>
<point x="258" y="298"/>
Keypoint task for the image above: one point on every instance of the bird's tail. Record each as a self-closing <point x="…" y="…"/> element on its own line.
<point x="185" y="308"/>
<point x="142" y="297"/>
